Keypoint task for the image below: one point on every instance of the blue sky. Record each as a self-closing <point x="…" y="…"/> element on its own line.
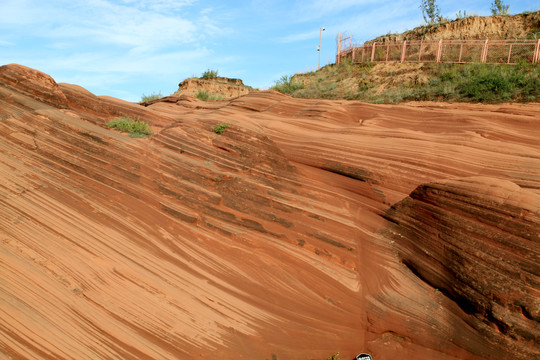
<point x="127" y="48"/>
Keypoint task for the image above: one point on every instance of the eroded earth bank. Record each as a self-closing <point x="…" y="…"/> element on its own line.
<point x="309" y="227"/>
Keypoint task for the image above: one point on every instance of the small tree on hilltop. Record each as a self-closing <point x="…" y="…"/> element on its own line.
<point x="430" y="11"/>
<point x="498" y="8"/>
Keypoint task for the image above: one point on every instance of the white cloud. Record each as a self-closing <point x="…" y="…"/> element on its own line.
<point x="106" y="23"/>
<point x="142" y="24"/>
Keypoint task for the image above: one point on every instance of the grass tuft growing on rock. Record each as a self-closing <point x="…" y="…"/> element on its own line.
<point x="204" y="95"/>
<point x="220" y="128"/>
<point x="153" y="96"/>
<point x="288" y="85"/>
<point x="334" y="357"/>
<point x="134" y="127"/>
<point x="209" y="74"/>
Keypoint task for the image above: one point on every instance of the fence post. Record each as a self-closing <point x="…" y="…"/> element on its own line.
<point x="353" y="49"/>
<point x="403" y="51"/>
<point x="439" y="51"/>
<point x="420" y="51"/>
<point x="509" y="54"/>
<point x="373" y="52"/>
<point x="484" y="52"/>
<point x="363" y="52"/>
<point x="536" y="55"/>
<point x="338" y="56"/>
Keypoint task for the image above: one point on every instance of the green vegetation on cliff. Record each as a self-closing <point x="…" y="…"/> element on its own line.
<point x="396" y="82"/>
<point x="134" y="127"/>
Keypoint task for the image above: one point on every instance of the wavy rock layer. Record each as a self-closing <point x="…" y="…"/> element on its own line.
<point x="476" y="240"/>
<point x="289" y="236"/>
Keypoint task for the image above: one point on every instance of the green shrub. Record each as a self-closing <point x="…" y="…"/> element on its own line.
<point x="206" y="96"/>
<point x="499" y="8"/>
<point x="485" y="85"/>
<point x="220" y="128"/>
<point x="209" y="74"/>
<point x="151" y="97"/>
<point x="203" y="95"/>
<point x="498" y="83"/>
<point x="430" y="11"/>
<point x="287" y="85"/>
<point x="134" y="127"/>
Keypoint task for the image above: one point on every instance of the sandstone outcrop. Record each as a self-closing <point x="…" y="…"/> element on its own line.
<point x="221" y="87"/>
<point x="308" y="227"/>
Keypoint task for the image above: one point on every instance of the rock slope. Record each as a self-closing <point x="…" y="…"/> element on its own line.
<point x="307" y="228"/>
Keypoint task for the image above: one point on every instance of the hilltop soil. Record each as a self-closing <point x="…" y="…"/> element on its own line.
<point x="521" y="26"/>
<point x="307" y="228"/>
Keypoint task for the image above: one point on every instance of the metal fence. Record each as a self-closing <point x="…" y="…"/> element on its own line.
<point x="443" y="51"/>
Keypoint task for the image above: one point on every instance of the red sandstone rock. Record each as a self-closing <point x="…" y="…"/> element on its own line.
<point x="289" y="236"/>
<point x="476" y="240"/>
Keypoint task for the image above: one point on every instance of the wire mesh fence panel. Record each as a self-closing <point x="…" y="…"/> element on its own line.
<point x="345" y="54"/>
<point x="462" y="51"/>
<point x="448" y="51"/>
<point x="354" y="54"/>
<point x="521" y="52"/>
<point x="497" y="53"/>
<point x="366" y="54"/>
<point x="428" y="51"/>
<point x="471" y="52"/>
<point x="361" y="54"/>
<point x="394" y="51"/>
<point x="379" y="53"/>
<point x="412" y="52"/>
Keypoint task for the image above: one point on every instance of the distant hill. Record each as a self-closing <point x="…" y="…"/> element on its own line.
<point x="397" y="82"/>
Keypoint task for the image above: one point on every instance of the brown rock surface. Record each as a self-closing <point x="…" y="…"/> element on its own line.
<point x="289" y="236"/>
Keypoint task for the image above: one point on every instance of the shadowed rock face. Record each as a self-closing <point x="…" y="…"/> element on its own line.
<point x="476" y="240"/>
<point x="308" y="227"/>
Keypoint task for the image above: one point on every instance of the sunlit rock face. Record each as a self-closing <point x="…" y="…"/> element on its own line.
<point x="307" y="228"/>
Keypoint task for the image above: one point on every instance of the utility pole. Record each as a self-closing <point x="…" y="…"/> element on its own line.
<point x="319" y="47"/>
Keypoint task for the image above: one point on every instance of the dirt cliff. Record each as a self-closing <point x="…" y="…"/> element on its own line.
<point x="521" y="26"/>
<point x="307" y="228"/>
<point x="220" y="87"/>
